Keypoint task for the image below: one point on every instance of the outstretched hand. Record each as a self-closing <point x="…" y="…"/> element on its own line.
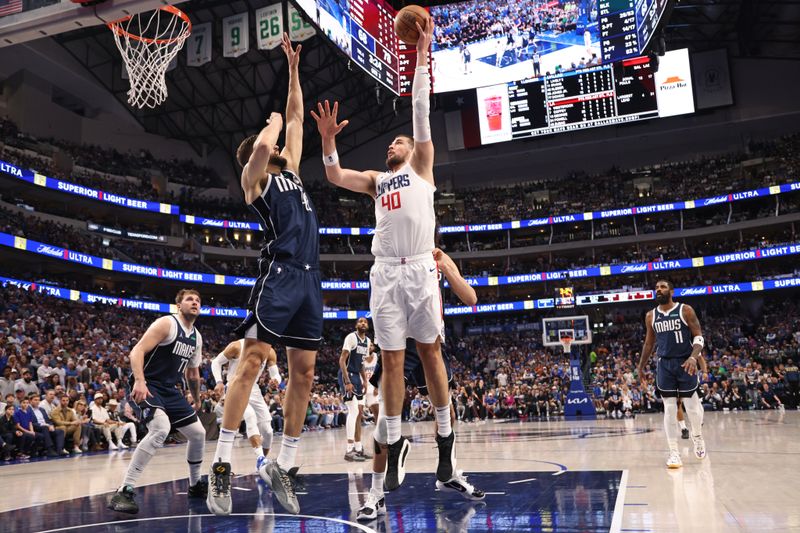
<point x="292" y="54"/>
<point x="326" y="119"/>
<point x="425" y="36"/>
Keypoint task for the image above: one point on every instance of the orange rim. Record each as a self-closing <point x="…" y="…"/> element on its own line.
<point x="116" y="27"/>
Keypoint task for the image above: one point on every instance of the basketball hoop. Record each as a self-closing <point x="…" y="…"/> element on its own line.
<point x="566" y="343"/>
<point x="148" y="43"/>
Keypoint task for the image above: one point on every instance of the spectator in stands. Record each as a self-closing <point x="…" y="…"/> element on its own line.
<point x="122" y="427"/>
<point x="52" y="436"/>
<point x="49" y="403"/>
<point x="10" y="435"/>
<point x="7" y="382"/>
<point x="30" y="442"/>
<point x="768" y="399"/>
<point x="276" y="410"/>
<point x="65" y="419"/>
<point x="27" y="384"/>
<point x="613" y="402"/>
<point x="102" y="420"/>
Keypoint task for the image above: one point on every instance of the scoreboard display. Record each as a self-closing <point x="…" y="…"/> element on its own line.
<point x="626" y="26"/>
<point x="624" y="91"/>
<point x="364" y="30"/>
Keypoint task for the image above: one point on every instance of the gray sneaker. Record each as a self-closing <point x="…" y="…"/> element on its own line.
<point x="218" y="499"/>
<point x="353" y="455"/>
<point x="282" y="484"/>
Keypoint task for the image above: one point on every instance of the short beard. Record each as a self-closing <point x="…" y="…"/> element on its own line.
<point x="278" y="161"/>
<point x="662" y="299"/>
<point x="394" y="161"/>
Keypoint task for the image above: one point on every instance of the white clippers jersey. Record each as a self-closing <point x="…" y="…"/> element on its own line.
<point x="369" y="368"/>
<point x="233" y="363"/>
<point x="405" y="221"/>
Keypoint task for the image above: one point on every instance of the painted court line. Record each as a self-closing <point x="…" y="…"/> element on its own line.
<point x="616" y="520"/>
<point x="523" y="480"/>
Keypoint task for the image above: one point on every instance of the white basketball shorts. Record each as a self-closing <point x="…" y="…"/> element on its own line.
<point x="405" y="301"/>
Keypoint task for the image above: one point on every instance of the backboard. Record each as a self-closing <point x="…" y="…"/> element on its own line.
<point x="554" y="329"/>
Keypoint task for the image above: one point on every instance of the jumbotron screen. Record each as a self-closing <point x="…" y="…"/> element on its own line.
<point x="364" y="30"/>
<point x="624" y="91"/>
<point x="477" y="43"/>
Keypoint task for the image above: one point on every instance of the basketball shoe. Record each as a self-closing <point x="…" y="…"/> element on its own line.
<point x="674" y="459"/>
<point x="460" y="484"/>
<point x="396" y="463"/>
<point x="218" y="500"/>
<point x="374" y="506"/>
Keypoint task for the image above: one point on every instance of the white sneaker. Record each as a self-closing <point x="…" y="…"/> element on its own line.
<point x="123" y="446"/>
<point x="460" y="484"/>
<point x="374" y="506"/>
<point x="699" y="447"/>
<point x="112" y="446"/>
<point x="674" y="459"/>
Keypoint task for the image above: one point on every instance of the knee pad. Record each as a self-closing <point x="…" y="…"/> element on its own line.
<point x="250" y="423"/>
<point x="196" y="435"/>
<point x="157" y="432"/>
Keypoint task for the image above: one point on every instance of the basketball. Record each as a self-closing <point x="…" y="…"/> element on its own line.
<point x="404" y="23"/>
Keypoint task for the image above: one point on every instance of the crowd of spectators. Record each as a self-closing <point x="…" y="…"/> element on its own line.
<point x="615" y="188"/>
<point x="139" y="163"/>
<point x="473" y="21"/>
<point x="65" y="371"/>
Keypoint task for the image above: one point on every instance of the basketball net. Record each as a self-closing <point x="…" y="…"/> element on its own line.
<point x="148" y="43"/>
<point x="566" y="343"/>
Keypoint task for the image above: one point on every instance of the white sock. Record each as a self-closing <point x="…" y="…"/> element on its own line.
<point x="288" y="455"/>
<point x="259" y="451"/>
<point x="195" y="472"/>
<point x="392" y="429"/>
<point x="377" y="483"/>
<point x="443" y="427"/>
<point x="694" y="410"/>
<point x="350" y="446"/>
<point x="224" y="446"/>
<point x="682" y="424"/>
<point x="670" y="427"/>
<point x="359" y="447"/>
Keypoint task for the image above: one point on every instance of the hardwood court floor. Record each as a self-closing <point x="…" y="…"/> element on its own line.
<point x="603" y="475"/>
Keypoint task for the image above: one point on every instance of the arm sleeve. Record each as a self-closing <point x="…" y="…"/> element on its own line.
<point x="421" y="102"/>
<point x="198" y="353"/>
<point x="274" y="373"/>
<point x="216" y="366"/>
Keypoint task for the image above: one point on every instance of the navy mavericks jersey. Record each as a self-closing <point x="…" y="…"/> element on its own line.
<point x="673" y="336"/>
<point x="289" y="221"/>
<point x="358" y="349"/>
<point x="166" y="363"/>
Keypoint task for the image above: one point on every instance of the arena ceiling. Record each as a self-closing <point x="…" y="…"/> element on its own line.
<point x="215" y="106"/>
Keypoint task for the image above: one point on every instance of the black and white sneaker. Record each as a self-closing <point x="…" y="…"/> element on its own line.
<point x="282" y="484"/>
<point x="447" y="457"/>
<point x="198" y="490"/>
<point x="685" y="433"/>
<point x="374" y="506"/>
<point x="218" y="499"/>
<point x="123" y="501"/>
<point x="363" y="454"/>
<point x="460" y="484"/>
<point x="396" y="464"/>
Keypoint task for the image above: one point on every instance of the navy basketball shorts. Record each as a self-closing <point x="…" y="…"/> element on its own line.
<point x="672" y="380"/>
<point x="170" y="400"/>
<point x="285" y="307"/>
<point x="415" y="373"/>
<point x="358" y="387"/>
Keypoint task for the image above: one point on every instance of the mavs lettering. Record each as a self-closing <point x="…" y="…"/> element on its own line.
<point x="673" y="336"/>
<point x="166" y="363"/>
